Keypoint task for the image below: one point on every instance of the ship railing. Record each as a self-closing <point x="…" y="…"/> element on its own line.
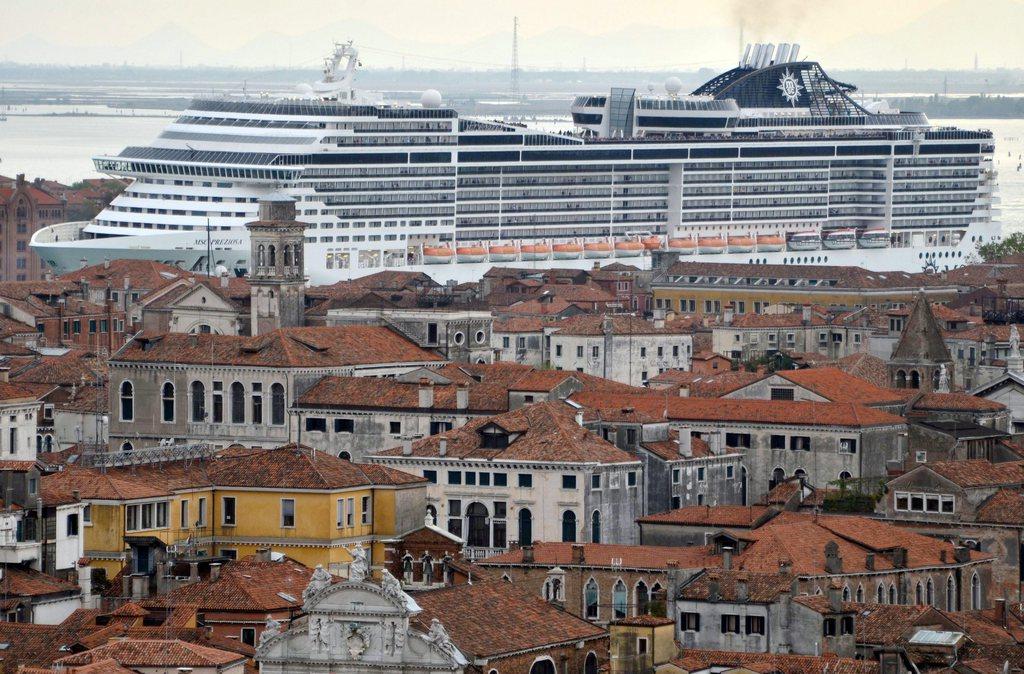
<point x="64" y="231"/>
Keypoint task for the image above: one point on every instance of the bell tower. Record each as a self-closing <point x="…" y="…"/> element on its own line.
<point x="276" y="273"/>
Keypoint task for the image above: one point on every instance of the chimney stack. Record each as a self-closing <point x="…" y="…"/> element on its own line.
<point x="579" y="417"/>
<point x="835" y="597"/>
<point x="5" y="372"/>
<point x="406" y="446"/>
<point x="714" y="586"/>
<point x="715" y="442"/>
<point x="215" y="571"/>
<point x="742" y="587"/>
<point x="527" y="552"/>
<point x="442" y="447"/>
<point x="578" y="556"/>
<point x="806" y="314"/>
<point x="999" y="607"/>
<point x="727" y="314"/>
<point x="462" y="396"/>
<point x="106" y="263"/>
<point x="224" y="280"/>
<point x="727" y="559"/>
<point x="426" y="393"/>
<point x="685" y="441"/>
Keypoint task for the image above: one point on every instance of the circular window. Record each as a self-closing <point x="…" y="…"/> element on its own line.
<point x="459" y="338"/>
<point x="480" y="336"/>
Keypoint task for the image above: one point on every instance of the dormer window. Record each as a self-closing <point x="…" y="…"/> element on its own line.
<point x="493" y="437"/>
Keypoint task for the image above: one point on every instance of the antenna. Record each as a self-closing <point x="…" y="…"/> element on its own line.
<point x="515" y="58"/>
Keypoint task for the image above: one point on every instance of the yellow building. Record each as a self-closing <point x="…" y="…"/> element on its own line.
<point x="709" y="287"/>
<point x="308" y="505"/>
<point x="641" y="644"/>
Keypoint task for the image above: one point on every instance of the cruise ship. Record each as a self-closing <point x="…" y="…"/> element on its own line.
<point x="770" y="162"/>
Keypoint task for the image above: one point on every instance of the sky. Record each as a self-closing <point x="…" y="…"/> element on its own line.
<point x="600" y="34"/>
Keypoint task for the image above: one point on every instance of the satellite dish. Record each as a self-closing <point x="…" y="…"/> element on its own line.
<point x="673" y="85"/>
<point x="431" y="98"/>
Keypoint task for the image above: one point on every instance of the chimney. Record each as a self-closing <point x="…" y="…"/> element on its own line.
<point x="728" y="314"/>
<point x="5" y="372"/>
<point x="263" y="554"/>
<point x="727" y="559"/>
<point x="715" y="442"/>
<point x="462" y="396"/>
<point x="806" y="316"/>
<point x="224" y="280"/>
<point x="83" y="263"/>
<point x="659" y="323"/>
<point x="608" y="325"/>
<point x="869" y="561"/>
<point x="714" y="586"/>
<point x="442" y="447"/>
<point x="85" y="289"/>
<point x="76" y="495"/>
<point x="527" y="553"/>
<point x="215" y="571"/>
<point x="407" y="446"/>
<point x="577" y="553"/>
<point x="106" y="263"/>
<point x="961" y="554"/>
<point x="942" y="556"/>
<point x="426" y="393"/>
<point x="785" y="565"/>
<point x="833" y="562"/>
<point x="579" y="417"/>
<point x="899" y="557"/>
<point x="85" y="583"/>
<point x="742" y="587"/>
<point x="999" y="608"/>
<point x="835" y="598"/>
<point x="685" y="442"/>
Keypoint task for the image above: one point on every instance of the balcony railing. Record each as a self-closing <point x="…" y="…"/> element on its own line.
<point x="158" y="454"/>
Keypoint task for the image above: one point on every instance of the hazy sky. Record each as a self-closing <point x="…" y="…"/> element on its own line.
<point x="447" y="33"/>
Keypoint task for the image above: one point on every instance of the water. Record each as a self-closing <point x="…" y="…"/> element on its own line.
<point x="58" y="146"/>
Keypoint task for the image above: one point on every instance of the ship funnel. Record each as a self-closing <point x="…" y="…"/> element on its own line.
<point x="794" y="53"/>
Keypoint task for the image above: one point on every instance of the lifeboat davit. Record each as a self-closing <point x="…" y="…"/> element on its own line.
<point x="741" y="244"/>
<point x="770" y="243"/>
<point x="711" y="244"/>
<point x="437" y="254"/>
<point x="567" y="251"/>
<point x="651" y="242"/>
<point x="682" y="246"/>
<point x="840" y="239"/>
<point x="471" y="254"/>
<point x="804" y="241"/>
<point x="875" y="237"/>
<point x="628" y="248"/>
<point x="535" y="251"/>
<point x="597" y="250"/>
<point x="502" y="252"/>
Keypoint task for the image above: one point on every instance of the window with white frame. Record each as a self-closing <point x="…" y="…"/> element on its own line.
<point x="920" y="502"/>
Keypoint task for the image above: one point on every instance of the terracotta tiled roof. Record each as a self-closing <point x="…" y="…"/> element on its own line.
<point x="90" y="399"/>
<point x="74" y="368"/>
<point x="958" y="402"/>
<point x="762" y="588"/>
<point x="713" y="516"/>
<point x="491" y="618"/>
<point x="247" y="585"/>
<point x="287" y="347"/>
<point x="607" y="555"/>
<point x="866" y="366"/>
<point x="135" y="653"/>
<point x="541" y="432"/>
<point x="109" y="666"/>
<point x="619" y="324"/>
<point x="678" y="408"/>
<point x="839" y="386"/>
<point x="836" y="276"/>
<point x="22" y="391"/>
<point x="774" y="663"/>
<point x="520" y="324"/>
<point x="762" y="321"/>
<point x="1004" y="507"/>
<point x="980" y="473"/>
<point x="141" y="274"/>
<point x="22" y="582"/>
<point x="644" y="620"/>
<point x="91" y="484"/>
<point x="668" y="450"/>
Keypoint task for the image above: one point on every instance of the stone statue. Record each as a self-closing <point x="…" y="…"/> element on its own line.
<point x="358" y="568"/>
<point x="943" y="379"/>
<point x="391" y="586"/>
<point x="319" y="633"/>
<point x="320" y="579"/>
<point x="270" y="630"/>
<point x="1014" y="342"/>
<point x="438" y="636"/>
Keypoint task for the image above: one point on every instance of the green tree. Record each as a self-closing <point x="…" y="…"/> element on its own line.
<point x="1011" y="245"/>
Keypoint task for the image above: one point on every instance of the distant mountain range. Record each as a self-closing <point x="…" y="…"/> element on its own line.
<point x="935" y="40"/>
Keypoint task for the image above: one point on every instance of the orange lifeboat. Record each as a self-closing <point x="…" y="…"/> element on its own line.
<point x="596" y="250"/>
<point x="711" y="244"/>
<point x="567" y="251"/>
<point x="628" y="248"/>
<point x="651" y="242"/>
<point x="502" y="252"/>
<point x="770" y="243"/>
<point x="471" y="254"/>
<point x="535" y="251"/>
<point x="741" y="244"/>
<point x="682" y="246"/>
<point x="437" y="254"/>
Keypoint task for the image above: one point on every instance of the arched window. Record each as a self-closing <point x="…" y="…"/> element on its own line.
<point x="287" y="255"/>
<point x="901" y="379"/>
<point x="261" y="256"/>
<point x="950" y="594"/>
<point x="880" y="594"/>
<point x="919" y="593"/>
<point x="976" y="592"/>
<point x="929" y="594"/>
<point x="568" y="527"/>
<point x="525" y="527"/>
<point x="273" y="256"/>
<point x="478" y="531"/>
<point x="846" y="593"/>
<point x="590" y="664"/>
<point x="845" y="475"/>
<point x="237" y="403"/>
<point x="595" y="527"/>
<point x="167" y="401"/>
<point x="347" y="456"/>
<point x="127" y="401"/>
<point x="643" y="598"/>
<point x="427" y="562"/>
<point x="432" y="511"/>
<point x="800" y="473"/>
<point x="198" y="401"/>
<point x="277" y="405"/>
<point x="544" y="666"/>
<point x="935" y="380"/>
<point x="892" y="594"/>
<point x="860" y="594"/>
<point x="915" y="379"/>
<point x="778" y="477"/>
<point x="620" y="600"/>
<point x="553" y="589"/>
<point x="590" y="600"/>
<point x="48" y="443"/>
<point x="126" y="447"/>
<point x="407" y="568"/>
